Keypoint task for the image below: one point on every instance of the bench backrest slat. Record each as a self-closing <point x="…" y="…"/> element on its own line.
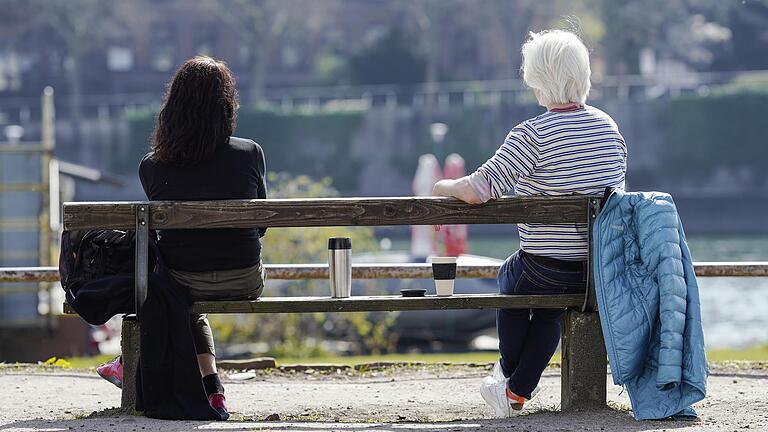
<point x="326" y="212"/>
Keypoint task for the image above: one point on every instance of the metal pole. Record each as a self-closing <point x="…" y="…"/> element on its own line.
<point x="590" y="300"/>
<point x="54" y="197"/>
<point x="45" y="257"/>
<point x="142" y="255"/>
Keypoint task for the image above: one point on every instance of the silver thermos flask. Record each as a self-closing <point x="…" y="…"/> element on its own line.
<point x="340" y="266"/>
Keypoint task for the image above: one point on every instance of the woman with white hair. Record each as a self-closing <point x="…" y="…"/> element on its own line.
<point x="572" y="148"/>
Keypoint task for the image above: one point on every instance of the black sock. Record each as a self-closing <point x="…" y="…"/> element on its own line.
<point x="212" y="384"/>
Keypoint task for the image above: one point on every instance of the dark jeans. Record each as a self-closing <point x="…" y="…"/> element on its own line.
<point x="528" y="337"/>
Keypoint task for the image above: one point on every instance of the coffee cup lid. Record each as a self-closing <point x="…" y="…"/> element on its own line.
<point x="339" y="243"/>
<point x="442" y="260"/>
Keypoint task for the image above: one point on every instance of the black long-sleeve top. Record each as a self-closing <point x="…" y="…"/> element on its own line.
<point x="235" y="171"/>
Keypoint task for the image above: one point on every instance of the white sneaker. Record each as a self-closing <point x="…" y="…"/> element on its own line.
<point x="498" y="375"/>
<point x="495" y="394"/>
<point x="535" y="392"/>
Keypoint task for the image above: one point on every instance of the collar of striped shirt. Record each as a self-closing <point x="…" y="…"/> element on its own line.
<point x="567" y="108"/>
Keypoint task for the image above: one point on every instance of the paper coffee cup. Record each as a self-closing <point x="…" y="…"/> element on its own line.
<point x="444" y="273"/>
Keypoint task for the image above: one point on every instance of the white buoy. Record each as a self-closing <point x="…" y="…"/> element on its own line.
<point x="423" y="241"/>
<point x="455" y="237"/>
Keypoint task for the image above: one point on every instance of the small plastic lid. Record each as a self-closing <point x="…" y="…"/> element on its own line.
<point x="339" y="243"/>
<point x="413" y="292"/>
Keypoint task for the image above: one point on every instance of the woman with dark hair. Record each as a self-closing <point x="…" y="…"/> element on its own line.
<point x="193" y="157"/>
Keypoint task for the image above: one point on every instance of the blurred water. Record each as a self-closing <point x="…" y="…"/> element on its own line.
<point x="734" y="310"/>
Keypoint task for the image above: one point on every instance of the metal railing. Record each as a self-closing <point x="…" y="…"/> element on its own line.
<point x="390" y="96"/>
<point x="397" y="271"/>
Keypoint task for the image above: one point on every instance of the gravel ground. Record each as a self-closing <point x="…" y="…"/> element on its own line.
<point x="443" y="398"/>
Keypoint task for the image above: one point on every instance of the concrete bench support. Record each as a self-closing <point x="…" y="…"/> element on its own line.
<point x="130" y="348"/>
<point x="584" y="362"/>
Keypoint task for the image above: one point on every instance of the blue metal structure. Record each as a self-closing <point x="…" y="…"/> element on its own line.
<point x="27" y="223"/>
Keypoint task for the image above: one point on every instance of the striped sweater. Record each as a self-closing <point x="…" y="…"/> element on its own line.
<point x="561" y="152"/>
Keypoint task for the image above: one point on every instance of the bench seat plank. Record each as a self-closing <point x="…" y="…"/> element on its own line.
<point x="383" y="303"/>
<point x="387" y="303"/>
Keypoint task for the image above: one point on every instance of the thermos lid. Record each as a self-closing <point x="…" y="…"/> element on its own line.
<point x="339" y="243"/>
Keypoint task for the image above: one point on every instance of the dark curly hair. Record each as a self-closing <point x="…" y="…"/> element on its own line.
<point x="198" y="113"/>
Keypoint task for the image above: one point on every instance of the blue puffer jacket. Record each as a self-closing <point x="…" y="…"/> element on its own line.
<point x="649" y="305"/>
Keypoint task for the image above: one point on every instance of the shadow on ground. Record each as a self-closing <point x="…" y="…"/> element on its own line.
<point x="603" y="420"/>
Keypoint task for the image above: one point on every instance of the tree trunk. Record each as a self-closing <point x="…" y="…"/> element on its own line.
<point x="258" y="71"/>
<point x="267" y="41"/>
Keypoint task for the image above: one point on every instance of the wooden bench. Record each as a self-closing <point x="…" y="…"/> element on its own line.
<point x="584" y="361"/>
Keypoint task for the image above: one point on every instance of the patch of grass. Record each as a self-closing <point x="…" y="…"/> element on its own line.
<point x="58" y="362"/>
<point x="753" y="354"/>
<point x="470" y="357"/>
<point x="107" y="412"/>
<point x="89" y="362"/>
<point x="14" y="366"/>
<point x="741" y="365"/>
<point x="618" y="406"/>
<point x="309" y="415"/>
<point x="541" y="409"/>
<point x="757" y="353"/>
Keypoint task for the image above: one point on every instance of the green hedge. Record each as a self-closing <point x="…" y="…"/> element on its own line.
<point x="724" y="129"/>
<point x="315" y="144"/>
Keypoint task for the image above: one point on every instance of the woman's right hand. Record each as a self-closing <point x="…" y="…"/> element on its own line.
<point x="459" y="188"/>
<point x="443" y="188"/>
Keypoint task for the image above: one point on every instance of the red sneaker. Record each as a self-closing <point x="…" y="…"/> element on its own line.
<point x="112" y="371"/>
<point x="219" y="403"/>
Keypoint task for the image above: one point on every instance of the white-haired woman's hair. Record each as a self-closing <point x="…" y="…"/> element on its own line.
<point x="556" y="67"/>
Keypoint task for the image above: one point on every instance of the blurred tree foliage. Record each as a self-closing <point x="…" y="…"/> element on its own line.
<point x="307" y="245"/>
<point x="77" y="27"/>
<point x="704" y="34"/>
<point x="265" y="26"/>
<point x="389" y="58"/>
<point x="308" y="42"/>
<point x="330" y="68"/>
<point x="746" y="49"/>
<point x="306" y="335"/>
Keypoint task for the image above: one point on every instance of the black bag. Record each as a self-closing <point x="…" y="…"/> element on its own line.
<point x="87" y="255"/>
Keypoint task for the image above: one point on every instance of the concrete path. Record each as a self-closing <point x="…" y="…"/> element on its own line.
<point x="413" y="398"/>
